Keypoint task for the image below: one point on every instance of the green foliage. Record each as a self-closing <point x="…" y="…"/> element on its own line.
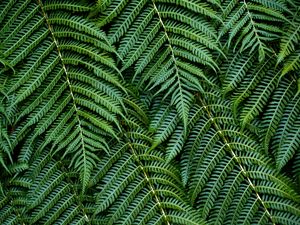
<point x="140" y="187"/>
<point x="165" y="43"/>
<point x="249" y="24"/>
<point x="66" y="86"/>
<point x="149" y="112"/>
<point x="230" y="180"/>
<point x="289" y="46"/>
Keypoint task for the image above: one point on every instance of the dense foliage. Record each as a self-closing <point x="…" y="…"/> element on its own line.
<point x="150" y="112"/>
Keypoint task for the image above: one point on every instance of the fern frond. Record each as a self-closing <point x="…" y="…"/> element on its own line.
<point x="235" y="70"/>
<point x="289" y="40"/>
<point x="254" y="84"/>
<point x="163" y="41"/>
<point x="140" y="187"/>
<point x="69" y="91"/>
<point x="267" y="95"/>
<point x="49" y="196"/>
<point x="260" y="97"/>
<point x="289" y="45"/>
<point x="227" y="163"/>
<point x="71" y="5"/>
<point x="274" y="113"/>
<point x="292" y="63"/>
<point x="249" y="25"/>
<point x="166" y="128"/>
<point x="296" y="169"/>
<point x="285" y="139"/>
<point x="149" y="112"/>
<point x="249" y="83"/>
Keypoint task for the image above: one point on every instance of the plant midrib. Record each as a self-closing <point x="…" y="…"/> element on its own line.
<point x="219" y="130"/>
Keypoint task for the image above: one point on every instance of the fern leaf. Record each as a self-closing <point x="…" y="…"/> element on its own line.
<point x="292" y="62"/>
<point x="248" y="25"/>
<point x="231" y="181"/>
<point x="154" y="32"/>
<point x="139" y="186"/>
<point x="84" y="102"/>
<point x="289" y="41"/>
<point x="275" y="110"/>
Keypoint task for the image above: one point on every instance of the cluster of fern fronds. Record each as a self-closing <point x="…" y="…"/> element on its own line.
<point x="150" y="112"/>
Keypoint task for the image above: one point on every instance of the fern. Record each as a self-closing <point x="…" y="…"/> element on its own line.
<point x="149" y="112"/>
<point x="162" y="42"/>
<point x="48" y="195"/>
<point x="67" y="105"/>
<point x="285" y="138"/>
<point x="272" y="96"/>
<point x="275" y="110"/>
<point x="289" y="46"/>
<point x="140" y="188"/>
<point x="230" y="180"/>
<point x="249" y="24"/>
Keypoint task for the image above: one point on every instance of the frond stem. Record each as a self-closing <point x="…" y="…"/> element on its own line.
<point x="166" y="34"/>
<point x="67" y="79"/>
<point x="65" y="70"/>
<point x="253" y="23"/>
<point x="152" y="189"/>
<point x="209" y="114"/>
<point x="171" y="48"/>
<point x="219" y="131"/>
